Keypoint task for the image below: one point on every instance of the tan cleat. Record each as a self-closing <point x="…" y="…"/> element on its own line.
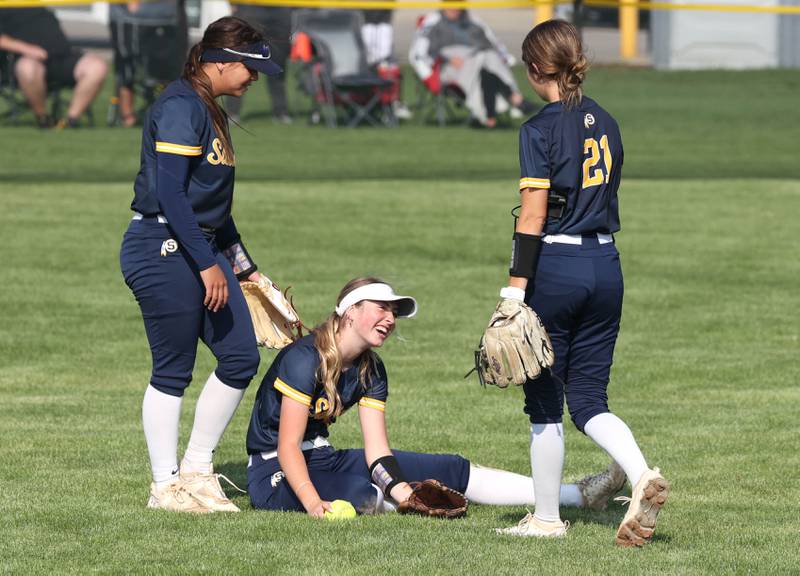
<point x="530" y="525"/>
<point x="174" y="498"/>
<point x="598" y="488"/>
<point x="206" y="489"/>
<point x="647" y="498"/>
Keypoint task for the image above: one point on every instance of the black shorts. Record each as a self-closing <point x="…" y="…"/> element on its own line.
<point x="61" y="69"/>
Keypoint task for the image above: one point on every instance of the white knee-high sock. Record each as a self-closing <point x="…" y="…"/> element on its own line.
<point x="498" y="487"/>
<point x="502" y="488"/>
<point x="215" y="409"/>
<point x="614" y="436"/>
<point x="161" y="418"/>
<point x="547" y="462"/>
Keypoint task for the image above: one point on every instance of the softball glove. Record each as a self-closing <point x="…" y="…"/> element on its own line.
<point x="275" y="321"/>
<point x="515" y="346"/>
<point x="432" y="498"/>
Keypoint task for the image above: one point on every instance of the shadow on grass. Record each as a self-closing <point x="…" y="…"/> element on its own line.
<point x="574" y="516"/>
<point x="236" y="473"/>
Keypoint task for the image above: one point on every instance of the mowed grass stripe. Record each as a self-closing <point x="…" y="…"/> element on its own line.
<point x="705" y="374"/>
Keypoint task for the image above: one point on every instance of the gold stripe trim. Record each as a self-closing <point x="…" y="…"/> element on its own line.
<point x="180" y="149"/>
<point x="287" y="390"/>
<point x="533" y="183"/>
<point x="372" y="403"/>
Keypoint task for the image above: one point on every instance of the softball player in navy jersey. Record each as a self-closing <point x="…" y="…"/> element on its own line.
<point x="292" y="465"/>
<point x="182" y="257"/>
<point x="566" y="267"/>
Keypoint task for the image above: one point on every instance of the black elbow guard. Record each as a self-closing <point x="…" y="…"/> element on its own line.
<point x="525" y="249"/>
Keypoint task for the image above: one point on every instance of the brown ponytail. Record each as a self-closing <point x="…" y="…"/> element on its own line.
<point x="330" y="365"/>
<point x="553" y="50"/>
<point x="228" y="32"/>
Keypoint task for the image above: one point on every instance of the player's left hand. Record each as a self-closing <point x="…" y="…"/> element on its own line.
<point x="401" y="492"/>
<point x="515" y="346"/>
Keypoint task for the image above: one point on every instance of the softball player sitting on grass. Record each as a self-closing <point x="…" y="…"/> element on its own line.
<point x="292" y="466"/>
<point x="566" y="267"/>
<point x="182" y="258"/>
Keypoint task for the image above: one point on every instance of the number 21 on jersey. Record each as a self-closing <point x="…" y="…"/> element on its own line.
<point x="592" y="173"/>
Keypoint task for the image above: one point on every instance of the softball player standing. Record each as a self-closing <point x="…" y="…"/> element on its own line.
<point x="565" y="265"/>
<point x="182" y="257"/>
<point x="292" y="465"/>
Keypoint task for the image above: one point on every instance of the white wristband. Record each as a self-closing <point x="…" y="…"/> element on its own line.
<point x="513" y="293"/>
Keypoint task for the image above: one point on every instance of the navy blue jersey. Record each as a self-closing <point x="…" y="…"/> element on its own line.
<point x="179" y="123"/>
<point x="578" y="155"/>
<point x="293" y="374"/>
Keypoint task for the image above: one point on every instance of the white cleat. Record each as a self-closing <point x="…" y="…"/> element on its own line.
<point x="597" y="489"/>
<point x="206" y="489"/>
<point x="530" y="525"/>
<point x="174" y="498"/>
<point x="647" y="498"/>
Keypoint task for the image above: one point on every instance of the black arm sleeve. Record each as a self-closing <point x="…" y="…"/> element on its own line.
<point x="227" y="234"/>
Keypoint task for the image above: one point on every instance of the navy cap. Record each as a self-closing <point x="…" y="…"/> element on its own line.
<point x="256" y="57"/>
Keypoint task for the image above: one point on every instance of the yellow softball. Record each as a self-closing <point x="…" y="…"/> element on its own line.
<point x="340" y="510"/>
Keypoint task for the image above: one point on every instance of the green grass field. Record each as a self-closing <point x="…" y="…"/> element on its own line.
<point x="706" y="370"/>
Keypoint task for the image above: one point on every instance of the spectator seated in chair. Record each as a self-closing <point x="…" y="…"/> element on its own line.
<point x="378" y="36"/>
<point x="472" y="59"/>
<point x="146" y="43"/>
<point x="47" y="61"/>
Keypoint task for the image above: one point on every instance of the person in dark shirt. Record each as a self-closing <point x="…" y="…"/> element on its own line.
<point x="312" y="382"/>
<point x="276" y="24"/>
<point x="183" y="258"/>
<point x="565" y="266"/>
<point x="143" y="31"/>
<point x="47" y="60"/>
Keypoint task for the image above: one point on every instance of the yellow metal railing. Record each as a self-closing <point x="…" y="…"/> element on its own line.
<point x="544" y="9"/>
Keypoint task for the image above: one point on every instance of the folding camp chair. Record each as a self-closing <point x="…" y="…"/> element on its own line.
<point x="439" y="100"/>
<point x="338" y="73"/>
<point x="8" y="87"/>
<point x="15" y="101"/>
<point x="151" y="47"/>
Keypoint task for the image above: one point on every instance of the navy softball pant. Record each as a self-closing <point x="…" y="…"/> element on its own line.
<point x="578" y="295"/>
<point x="344" y="475"/>
<point x="170" y="293"/>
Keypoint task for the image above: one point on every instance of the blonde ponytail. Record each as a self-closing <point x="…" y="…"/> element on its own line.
<point x="330" y="358"/>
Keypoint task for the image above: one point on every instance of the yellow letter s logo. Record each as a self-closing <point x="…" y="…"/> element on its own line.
<point x="321" y="406"/>
<point x="219" y="154"/>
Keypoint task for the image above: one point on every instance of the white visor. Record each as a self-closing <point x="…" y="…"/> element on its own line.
<point x="406" y="305"/>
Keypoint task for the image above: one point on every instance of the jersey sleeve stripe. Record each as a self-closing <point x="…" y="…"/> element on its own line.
<point x="534" y="183"/>
<point x="180" y="149"/>
<point x="372" y="403"/>
<point x="287" y="390"/>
